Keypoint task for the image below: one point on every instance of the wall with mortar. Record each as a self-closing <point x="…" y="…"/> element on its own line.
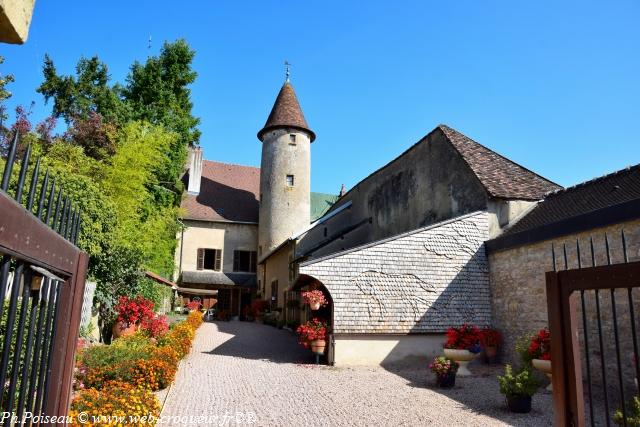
<point x="284" y="209"/>
<point x="428" y="183"/>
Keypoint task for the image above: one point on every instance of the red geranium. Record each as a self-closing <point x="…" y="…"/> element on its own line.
<point x="155" y="326"/>
<point x="314" y="329"/>
<point x="314" y="297"/>
<point x="134" y="310"/>
<point x="540" y="346"/>
<point x="193" y="305"/>
<point x="466" y="337"/>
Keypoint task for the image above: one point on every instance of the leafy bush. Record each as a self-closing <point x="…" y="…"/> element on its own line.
<point x="521" y="384"/>
<point x="137" y="359"/>
<point x="119" y="399"/>
<point x="633" y="414"/>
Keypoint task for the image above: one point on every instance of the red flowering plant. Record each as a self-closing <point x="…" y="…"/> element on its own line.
<point x="490" y="337"/>
<point x="132" y="311"/>
<point x="443" y="366"/>
<point x="466" y="337"/>
<point x="193" y="305"/>
<point x="314" y="329"/>
<point x="314" y="297"/>
<point x="540" y="346"/>
<point x="155" y="326"/>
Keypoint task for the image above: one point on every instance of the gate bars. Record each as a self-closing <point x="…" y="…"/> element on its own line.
<point x="563" y="290"/>
<point x="42" y="275"/>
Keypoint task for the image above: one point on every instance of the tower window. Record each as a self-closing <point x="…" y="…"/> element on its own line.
<point x="292" y="138"/>
<point x="290" y="180"/>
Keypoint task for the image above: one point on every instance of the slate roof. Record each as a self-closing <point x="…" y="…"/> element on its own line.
<point x="591" y="196"/>
<point x="230" y="192"/>
<point x="501" y="177"/>
<point x="227" y="193"/>
<point x="320" y="204"/>
<point x="247" y="280"/>
<point x="422" y="281"/>
<point x="286" y="112"/>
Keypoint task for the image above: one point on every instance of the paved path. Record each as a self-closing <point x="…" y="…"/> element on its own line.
<point x="263" y="375"/>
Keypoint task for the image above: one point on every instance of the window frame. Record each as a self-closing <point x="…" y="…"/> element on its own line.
<point x="201" y="259"/>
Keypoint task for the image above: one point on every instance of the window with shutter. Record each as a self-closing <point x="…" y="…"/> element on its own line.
<point x="209" y="259"/>
<point x="245" y="261"/>
<point x="200" y="262"/>
<point x="218" y="263"/>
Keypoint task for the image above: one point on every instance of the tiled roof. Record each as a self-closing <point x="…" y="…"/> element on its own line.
<point x="599" y="193"/>
<point x="286" y="112"/>
<point x="227" y="193"/>
<point x="501" y="177"/>
<point x="423" y="281"/>
<point x="230" y="193"/>
<point x="247" y="280"/>
<point x="320" y="204"/>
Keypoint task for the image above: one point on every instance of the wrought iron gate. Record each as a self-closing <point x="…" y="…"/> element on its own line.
<point x="42" y="276"/>
<point x="594" y="344"/>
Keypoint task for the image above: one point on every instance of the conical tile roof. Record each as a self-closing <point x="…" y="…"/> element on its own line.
<point x="286" y="113"/>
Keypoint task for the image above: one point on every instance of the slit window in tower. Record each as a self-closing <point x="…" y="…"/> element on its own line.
<point x="292" y="138"/>
<point x="290" y="180"/>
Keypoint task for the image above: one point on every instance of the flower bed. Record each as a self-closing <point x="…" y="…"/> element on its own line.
<point x="121" y="377"/>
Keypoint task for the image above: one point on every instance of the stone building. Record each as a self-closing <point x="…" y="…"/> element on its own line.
<point x="449" y="232"/>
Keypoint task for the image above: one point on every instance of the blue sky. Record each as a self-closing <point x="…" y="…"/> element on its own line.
<point x="555" y="87"/>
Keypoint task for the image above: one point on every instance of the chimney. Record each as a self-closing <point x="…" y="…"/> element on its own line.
<point x="343" y="191"/>
<point x="195" y="170"/>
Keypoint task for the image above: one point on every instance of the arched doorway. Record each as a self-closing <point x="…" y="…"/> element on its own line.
<point x="299" y="313"/>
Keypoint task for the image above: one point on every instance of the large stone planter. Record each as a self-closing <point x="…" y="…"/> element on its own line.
<point x="463" y="357"/>
<point x="544" y="366"/>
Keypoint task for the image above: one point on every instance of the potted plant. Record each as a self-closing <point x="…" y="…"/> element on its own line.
<point x="314" y="298"/>
<point x="491" y="340"/>
<point x="540" y="353"/>
<point x="130" y="312"/>
<point x="518" y="389"/>
<point x="462" y="345"/>
<point x="445" y="370"/>
<point x="313" y="335"/>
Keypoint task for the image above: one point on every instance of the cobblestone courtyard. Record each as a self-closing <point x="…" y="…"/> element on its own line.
<point x="261" y="372"/>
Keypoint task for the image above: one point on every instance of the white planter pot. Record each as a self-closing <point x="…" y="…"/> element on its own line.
<point x="544" y="366"/>
<point x="463" y="357"/>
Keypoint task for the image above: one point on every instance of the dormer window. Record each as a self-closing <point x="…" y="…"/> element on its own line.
<point x="290" y="180"/>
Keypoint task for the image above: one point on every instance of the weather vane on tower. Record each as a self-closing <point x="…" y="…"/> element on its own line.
<point x="287" y="70"/>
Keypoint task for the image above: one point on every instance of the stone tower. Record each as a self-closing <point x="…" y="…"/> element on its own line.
<point x="285" y="172"/>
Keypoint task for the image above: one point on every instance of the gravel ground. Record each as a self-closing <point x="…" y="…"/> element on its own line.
<point x="251" y="374"/>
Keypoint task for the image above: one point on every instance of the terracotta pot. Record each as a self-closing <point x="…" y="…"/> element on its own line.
<point x="544" y="366"/>
<point x="446" y="381"/>
<point x="315" y="305"/>
<point x="491" y="354"/>
<point x="519" y="404"/>
<point x="318" y="346"/>
<point x="463" y="357"/>
<point x="123" y="329"/>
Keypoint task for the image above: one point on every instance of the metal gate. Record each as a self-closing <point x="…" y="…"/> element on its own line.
<point x="42" y="276"/>
<point x="594" y="347"/>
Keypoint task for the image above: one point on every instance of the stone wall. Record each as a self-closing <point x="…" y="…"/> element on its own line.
<point x="426" y="184"/>
<point x="517" y="275"/>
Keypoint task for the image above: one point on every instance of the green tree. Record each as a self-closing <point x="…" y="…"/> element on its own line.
<point x="5" y="79"/>
<point x="89" y="91"/>
<point x="158" y="92"/>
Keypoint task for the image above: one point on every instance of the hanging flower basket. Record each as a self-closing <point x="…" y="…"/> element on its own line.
<point x="313" y="335"/>
<point x="315" y="299"/>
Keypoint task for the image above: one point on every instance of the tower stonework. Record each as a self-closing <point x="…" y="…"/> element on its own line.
<point x="285" y="172"/>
